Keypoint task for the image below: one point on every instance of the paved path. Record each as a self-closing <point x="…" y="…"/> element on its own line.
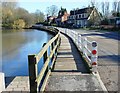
<point x="69" y="55"/>
<point x="17" y="84"/>
<point x="108" y="56"/>
<point x="70" y="73"/>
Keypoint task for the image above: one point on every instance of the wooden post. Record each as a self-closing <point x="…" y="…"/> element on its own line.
<point x="45" y="56"/>
<point x="52" y="46"/>
<point x="32" y="73"/>
<point x="59" y="40"/>
<point x="56" y="48"/>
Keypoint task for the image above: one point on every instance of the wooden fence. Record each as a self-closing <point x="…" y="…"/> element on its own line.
<point x="39" y="80"/>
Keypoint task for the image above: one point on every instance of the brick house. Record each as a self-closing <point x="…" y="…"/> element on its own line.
<point x="84" y="17"/>
<point x="62" y="17"/>
<point x="51" y="19"/>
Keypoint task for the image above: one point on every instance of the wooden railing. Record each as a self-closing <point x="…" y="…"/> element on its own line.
<point x="39" y="80"/>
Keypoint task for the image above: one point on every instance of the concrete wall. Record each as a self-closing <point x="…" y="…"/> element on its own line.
<point x="2" y="81"/>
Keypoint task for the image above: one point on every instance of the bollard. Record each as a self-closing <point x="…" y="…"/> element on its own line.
<point x="94" y="56"/>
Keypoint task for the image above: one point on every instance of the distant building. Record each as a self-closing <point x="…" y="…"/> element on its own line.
<point x="51" y="19"/>
<point x="114" y="21"/>
<point x="84" y="17"/>
<point x="62" y="17"/>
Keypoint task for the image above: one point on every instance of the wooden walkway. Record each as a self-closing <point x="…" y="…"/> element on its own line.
<point x="69" y="73"/>
<point x="68" y="58"/>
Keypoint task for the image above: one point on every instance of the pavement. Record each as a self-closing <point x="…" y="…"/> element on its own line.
<point x="108" y="56"/>
<point x="17" y="84"/>
<point x="73" y="83"/>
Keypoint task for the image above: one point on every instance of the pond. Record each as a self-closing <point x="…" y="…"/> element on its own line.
<point x="16" y="45"/>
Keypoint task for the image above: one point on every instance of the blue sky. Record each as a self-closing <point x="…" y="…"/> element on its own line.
<point x="33" y="5"/>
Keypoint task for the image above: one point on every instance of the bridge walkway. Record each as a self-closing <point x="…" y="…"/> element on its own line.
<point x="70" y="72"/>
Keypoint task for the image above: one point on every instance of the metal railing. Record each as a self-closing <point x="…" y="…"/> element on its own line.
<point x="88" y="49"/>
<point x="39" y="80"/>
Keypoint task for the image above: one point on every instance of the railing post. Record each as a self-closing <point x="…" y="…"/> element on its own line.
<point x="66" y="31"/>
<point x="74" y="36"/>
<point x="55" y="44"/>
<point x="84" y="45"/>
<point x="59" y="39"/>
<point x="32" y="73"/>
<point x="45" y="55"/>
<point x="94" y="56"/>
<point x="79" y="40"/>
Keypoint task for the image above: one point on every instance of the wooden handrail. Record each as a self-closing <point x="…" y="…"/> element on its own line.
<point x="40" y="54"/>
<point x="35" y="78"/>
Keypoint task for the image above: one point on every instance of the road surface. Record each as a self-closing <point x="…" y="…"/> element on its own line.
<point x="108" y="56"/>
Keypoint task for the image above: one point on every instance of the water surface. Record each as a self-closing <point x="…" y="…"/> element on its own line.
<point x="16" y="45"/>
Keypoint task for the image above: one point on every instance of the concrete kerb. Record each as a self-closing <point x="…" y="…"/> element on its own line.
<point x="100" y="81"/>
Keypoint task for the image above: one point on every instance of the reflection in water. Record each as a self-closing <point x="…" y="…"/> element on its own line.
<point x="16" y="45"/>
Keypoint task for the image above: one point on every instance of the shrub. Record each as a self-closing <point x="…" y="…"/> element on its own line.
<point x="18" y="24"/>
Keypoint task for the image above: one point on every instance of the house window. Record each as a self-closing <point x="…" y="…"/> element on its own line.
<point x="78" y="22"/>
<point x="74" y="17"/>
<point x="82" y="15"/>
<point x="85" y="15"/>
<point x="79" y="15"/>
<point x="85" y="22"/>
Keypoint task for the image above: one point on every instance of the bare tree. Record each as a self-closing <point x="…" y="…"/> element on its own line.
<point x="39" y="16"/>
<point x="52" y="10"/>
<point x="93" y="3"/>
<point x="115" y="6"/>
<point x="118" y="8"/>
<point x="103" y="8"/>
<point x="107" y="9"/>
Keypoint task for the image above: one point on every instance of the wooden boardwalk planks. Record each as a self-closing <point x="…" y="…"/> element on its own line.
<point x="68" y="58"/>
